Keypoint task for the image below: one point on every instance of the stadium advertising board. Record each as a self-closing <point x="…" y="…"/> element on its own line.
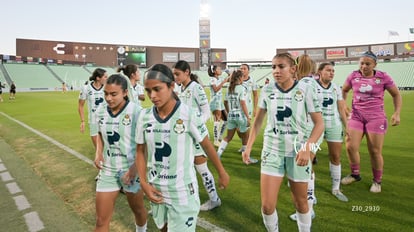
<point x="335" y="53"/>
<point x="218" y="57"/>
<point x="316" y="54"/>
<point x="296" y="53"/>
<point x="383" y="49"/>
<point x="357" y="51"/>
<point x="405" y="48"/>
<point x="169" y="57"/>
<point x="187" y="56"/>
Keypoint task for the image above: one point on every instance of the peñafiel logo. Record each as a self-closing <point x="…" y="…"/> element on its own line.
<point x="313" y="147"/>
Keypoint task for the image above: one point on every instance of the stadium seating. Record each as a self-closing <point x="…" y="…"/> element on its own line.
<point x="35" y="77"/>
<point x="32" y="77"/>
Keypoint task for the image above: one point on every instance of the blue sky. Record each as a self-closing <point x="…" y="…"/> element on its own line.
<point x="248" y="29"/>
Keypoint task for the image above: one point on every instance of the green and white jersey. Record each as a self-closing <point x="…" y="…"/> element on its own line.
<point x="118" y="135"/>
<point x="329" y="97"/>
<point x="94" y="98"/>
<point x="233" y="101"/>
<point x="288" y="115"/>
<point x="135" y="92"/>
<point x="193" y="95"/>
<point x="216" y="96"/>
<point x="250" y="86"/>
<point x="170" y="148"/>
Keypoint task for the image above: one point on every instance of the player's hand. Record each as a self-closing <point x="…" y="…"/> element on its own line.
<point x="99" y="162"/>
<point x="82" y="127"/>
<point x="303" y="157"/>
<point x="246" y="157"/>
<point x="224" y="180"/>
<point x="152" y="193"/>
<point x="395" y="119"/>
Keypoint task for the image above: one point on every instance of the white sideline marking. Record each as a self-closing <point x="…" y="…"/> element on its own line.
<point x="5" y="176"/>
<point x="2" y="167"/>
<point x="21" y="202"/>
<point x="33" y="222"/>
<point x="200" y="221"/>
<point x="13" y="188"/>
<point x="66" y="148"/>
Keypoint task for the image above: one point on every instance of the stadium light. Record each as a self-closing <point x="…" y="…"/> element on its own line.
<point x="204" y="9"/>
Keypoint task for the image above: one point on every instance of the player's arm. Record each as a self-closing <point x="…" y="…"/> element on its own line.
<point x="99" y="152"/>
<point x="397" y="101"/>
<point x="208" y="148"/>
<point x="218" y="87"/>
<point x="257" y="125"/>
<point x="345" y="90"/>
<point x="245" y="111"/>
<point x="303" y="155"/>
<point x="341" y="104"/>
<point x="81" y="104"/>
<point x="255" y="100"/>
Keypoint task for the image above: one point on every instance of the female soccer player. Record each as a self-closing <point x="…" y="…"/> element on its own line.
<point x="368" y="116"/>
<point x="333" y="113"/>
<point x="115" y="155"/>
<point x="134" y="76"/>
<point x="286" y="141"/>
<point x="165" y="153"/>
<point x="192" y="94"/>
<point x="93" y="94"/>
<point x="235" y="103"/>
<point x="216" y="102"/>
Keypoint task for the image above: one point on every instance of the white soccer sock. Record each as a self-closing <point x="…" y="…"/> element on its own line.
<point x="271" y="221"/>
<point x="221" y="148"/>
<point x="311" y="187"/>
<point x="304" y="221"/>
<point x="216" y="130"/>
<point x="335" y="175"/>
<point x="208" y="181"/>
<point x="222" y="130"/>
<point x="141" y="228"/>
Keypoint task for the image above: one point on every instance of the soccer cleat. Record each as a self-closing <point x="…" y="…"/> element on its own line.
<point x="242" y="149"/>
<point x="339" y="195"/>
<point x="349" y="179"/>
<point x="293" y="216"/>
<point x="209" y="205"/>
<point x="253" y="160"/>
<point x="375" y="187"/>
<point x="217" y="143"/>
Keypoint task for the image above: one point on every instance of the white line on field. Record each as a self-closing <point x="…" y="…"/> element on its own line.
<point x="200" y="222"/>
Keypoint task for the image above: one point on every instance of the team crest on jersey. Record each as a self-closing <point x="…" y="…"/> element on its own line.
<point x="187" y="94"/>
<point x="298" y="96"/>
<point x="127" y="120"/>
<point x="377" y="81"/>
<point x="179" y="126"/>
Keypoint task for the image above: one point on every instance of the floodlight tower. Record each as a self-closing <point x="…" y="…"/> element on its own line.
<point x="204" y="32"/>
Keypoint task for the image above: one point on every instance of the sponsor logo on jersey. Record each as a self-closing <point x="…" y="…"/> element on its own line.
<point x="283" y="112"/>
<point x="377" y="81"/>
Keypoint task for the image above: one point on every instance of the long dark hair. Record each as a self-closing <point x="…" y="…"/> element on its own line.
<point x="156" y="70"/>
<point x="184" y="66"/>
<point x="99" y="72"/>
<point x="117" y="79"/>
<point x="234" y="80"/>
<point x="128" y="70"/>
<point x="212" y="70"/>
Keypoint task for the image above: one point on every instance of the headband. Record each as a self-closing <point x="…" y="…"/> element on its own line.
<point x="156" y="75"/>
<point x="370" y="55"/>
